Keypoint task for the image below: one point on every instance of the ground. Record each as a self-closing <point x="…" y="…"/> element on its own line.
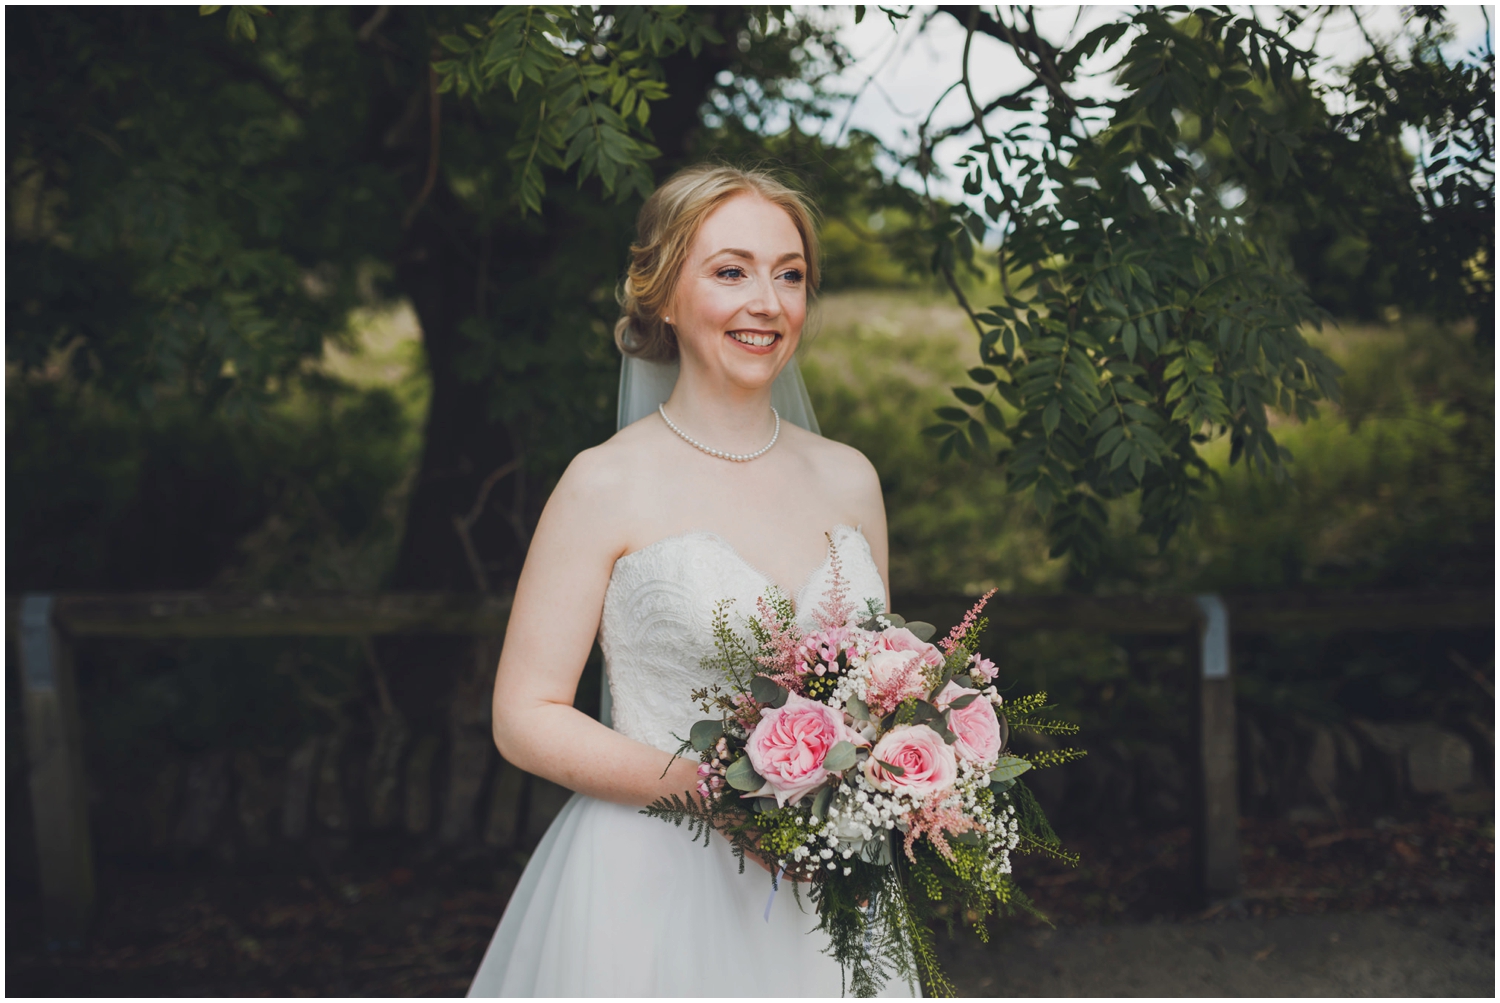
<point x="1395" y="907"/>
<point x="1394" y="952"/>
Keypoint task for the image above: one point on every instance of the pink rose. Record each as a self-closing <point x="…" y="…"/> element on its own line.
<point x="894" y="676"/>
<point x="977" y="727"/>
<point x="901" y="639"/>
<point x="789" y="745"/>
<point x="926" y="761"/>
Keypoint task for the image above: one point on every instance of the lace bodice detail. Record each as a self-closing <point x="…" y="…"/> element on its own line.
<point x="657" y="624"/>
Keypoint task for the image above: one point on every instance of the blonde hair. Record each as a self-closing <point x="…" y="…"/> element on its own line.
<point x="665" y="229"/>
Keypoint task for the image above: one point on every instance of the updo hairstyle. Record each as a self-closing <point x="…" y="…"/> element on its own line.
<point x="665" y="229"/>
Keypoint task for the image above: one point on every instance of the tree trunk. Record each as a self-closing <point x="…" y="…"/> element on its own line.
<point x="512" y="279"/>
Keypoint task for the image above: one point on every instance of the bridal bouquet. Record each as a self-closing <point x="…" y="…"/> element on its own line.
<point x="874" y="764"/>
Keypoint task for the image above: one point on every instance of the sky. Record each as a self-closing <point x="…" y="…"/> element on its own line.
<point x="901" y="72"/>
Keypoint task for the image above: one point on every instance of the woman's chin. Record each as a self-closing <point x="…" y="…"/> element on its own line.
<point x="754" y="372"/>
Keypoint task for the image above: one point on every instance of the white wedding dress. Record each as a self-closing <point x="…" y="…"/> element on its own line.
<point x="617" y="904"/>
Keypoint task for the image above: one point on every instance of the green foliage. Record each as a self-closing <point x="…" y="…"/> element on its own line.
<point x="104" y="496"/>
<point x="168" y="239"/>
<point x="1141" y="317"/>
<point x="1372" y="224"/>
<point x="582" y="80"/>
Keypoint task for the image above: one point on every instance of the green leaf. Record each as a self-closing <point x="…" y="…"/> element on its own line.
<point x="767" y="692"/>
<point x="963" y="701"/>
<point x="705" y="733"/>
<point x="857" y="709"/>
<point x="1109" y="440"/>
<point x="982" y="375"/>
<point x="968" y="395"/>
<point x="952" y="414"/>
<point x="894" y="770"/>
<point x="742" y="776"/>
<point x="921" y="628"/>
<point x="1008" y="768"/>
<point x="979" y="437"/>
<point x="821" y="802"/>
<point x="994" y="416"/>
<point x="839" y="758"/>
<point x="1051" y="415"/>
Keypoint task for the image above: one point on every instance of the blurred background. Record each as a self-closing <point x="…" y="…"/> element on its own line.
<point x="261" y="337"/>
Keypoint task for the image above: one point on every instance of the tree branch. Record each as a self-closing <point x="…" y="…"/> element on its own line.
<point x="435" y="117"/>
<point x="463" y="524"/>
<point x="1023" y="42"/>
<point x="370" y="27"/>
<point x="954" y="130"/>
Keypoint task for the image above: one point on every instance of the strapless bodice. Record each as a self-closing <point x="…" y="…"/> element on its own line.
<point x="657" y="624"/>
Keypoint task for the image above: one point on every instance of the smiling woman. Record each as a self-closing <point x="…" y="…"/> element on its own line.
<point x="645" y="540"/>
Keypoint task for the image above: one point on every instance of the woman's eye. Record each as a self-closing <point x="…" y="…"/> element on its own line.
<point x="732" y="272"/>
<point x="792" y="275"/>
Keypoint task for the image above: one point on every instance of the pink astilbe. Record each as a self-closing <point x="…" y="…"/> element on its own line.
<point x="936" y="824"/>
<point x="894" y="677"/>
<point x="957" y="633"/>
<point x="836" y="607"/>
<point x="781" y="660"/>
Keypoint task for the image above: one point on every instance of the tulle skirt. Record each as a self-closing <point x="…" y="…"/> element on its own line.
<point x="617" y="904"/>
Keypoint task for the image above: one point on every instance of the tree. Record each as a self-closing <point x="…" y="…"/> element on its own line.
<point x="198" y="201"/>
<point x="1146" y="304"/>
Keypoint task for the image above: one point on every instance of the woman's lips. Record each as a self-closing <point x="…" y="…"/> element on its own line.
<point x="769" y="339"/>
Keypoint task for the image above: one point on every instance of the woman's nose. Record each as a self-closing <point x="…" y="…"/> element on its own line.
<point x="764" y="302"/>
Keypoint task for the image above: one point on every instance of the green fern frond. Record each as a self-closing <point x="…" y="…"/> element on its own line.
<point x="1044" y="758"/>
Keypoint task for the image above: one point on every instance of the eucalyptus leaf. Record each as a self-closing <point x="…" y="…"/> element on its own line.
<point x="705" y="734"/>
<point x="839" y="758"/>
<point x="894" y="770"/>
<point x="767" y="692"/>
<point x="742" y="776"/>
<point x="821" y="802"/>
<point x="922" y="629"/>
<point x="963" y="701"/>
<point x="1008" y="768"/>
<point x="857" y="709"/>
<point x="763" y="804"/>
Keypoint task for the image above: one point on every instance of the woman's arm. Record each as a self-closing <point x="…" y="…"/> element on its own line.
<point x="552" y="626"/>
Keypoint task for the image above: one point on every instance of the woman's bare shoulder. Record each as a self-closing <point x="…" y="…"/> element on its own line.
<point x="835" y="458"/>
<point x="607" y="475"/>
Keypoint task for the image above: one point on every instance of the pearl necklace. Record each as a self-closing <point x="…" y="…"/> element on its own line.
<point x="736" y="457"/>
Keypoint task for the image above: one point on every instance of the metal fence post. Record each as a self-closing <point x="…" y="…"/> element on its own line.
<point x="1220" y="805"/>
<point x="54" y="751"/>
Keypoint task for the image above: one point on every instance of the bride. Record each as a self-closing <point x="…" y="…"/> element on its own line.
<point x="711" y="496"/>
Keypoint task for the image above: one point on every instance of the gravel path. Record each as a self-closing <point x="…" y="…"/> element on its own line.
<point x="1388" y="953"/>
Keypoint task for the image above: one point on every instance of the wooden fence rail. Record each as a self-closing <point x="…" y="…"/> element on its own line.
<point x="46" y="626"/>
